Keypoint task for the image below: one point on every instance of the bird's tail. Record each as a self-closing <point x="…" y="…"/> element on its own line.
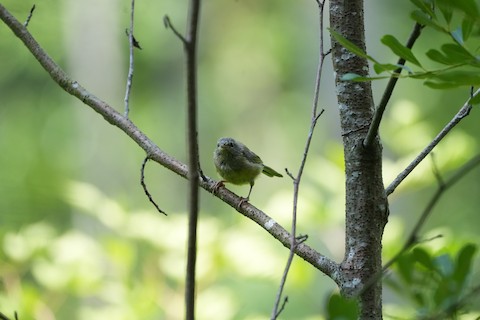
<point x="270" y="172"/>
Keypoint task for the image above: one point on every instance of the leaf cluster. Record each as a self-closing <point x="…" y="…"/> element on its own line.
<point x="436" y="284"/>
<point x="457" y="59"/>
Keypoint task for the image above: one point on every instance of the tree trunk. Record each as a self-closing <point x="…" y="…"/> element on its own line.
<point x="366" y="204"/>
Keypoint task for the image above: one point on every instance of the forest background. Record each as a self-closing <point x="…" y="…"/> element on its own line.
<point x="78" y="236"/>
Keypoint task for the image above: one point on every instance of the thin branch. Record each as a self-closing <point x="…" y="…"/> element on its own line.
<point x="462" y="113"/>
<point x="29" y="17"/>
<point x="436" y="170"/>
<point x="144" y="186"/>
<point x="131" y="45"/>
<point x="190" y="46"/>
<point x="168" y="24"/>
<point x="296" y="181"/>
<point x="314" y="258"/>
<point x="284" y="303"/>
<point x="413" y="237"/>
<point x="377" y="117"/>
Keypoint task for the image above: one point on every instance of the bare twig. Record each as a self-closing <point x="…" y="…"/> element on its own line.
<point x="314" y="258"/>
<point x="284" y="303"/>
<point x="144" y="186"/>
<point x="168" y="24"/>
<point x="435" y="170"/>
<point x="413" y="237"/>
<point x="29" y="17"/>
<point x="377" y="117"/>
<point x="190" y="46"/>
<point x="462" y="113"/>
<point x="131" y="46"/>
<point x="296" y="180"/>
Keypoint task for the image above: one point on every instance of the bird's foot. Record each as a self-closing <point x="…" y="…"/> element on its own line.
<point x="242" y="201"/>
<point x="301" y="238"/>
<point x="217" y="186"/>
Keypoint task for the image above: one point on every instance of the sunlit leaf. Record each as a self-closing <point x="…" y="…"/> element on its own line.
<point x="399" y="49"/>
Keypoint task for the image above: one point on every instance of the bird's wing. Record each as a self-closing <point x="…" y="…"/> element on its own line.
<point x="251" y="156"/>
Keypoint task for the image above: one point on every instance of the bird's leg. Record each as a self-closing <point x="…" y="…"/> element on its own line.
<point x="217" y="185"/>
<point x="248" y="197"/>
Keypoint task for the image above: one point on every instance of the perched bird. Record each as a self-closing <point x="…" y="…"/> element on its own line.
<point x="239" y="165"/>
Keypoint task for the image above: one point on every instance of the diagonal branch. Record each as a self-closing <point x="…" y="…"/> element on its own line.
<point x="277" y="308"/>
<point x="316" y="259"/>
<point x="462" y="113"/>
<point x="377" y="117"/>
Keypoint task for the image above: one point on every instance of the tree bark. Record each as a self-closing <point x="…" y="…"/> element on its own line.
<point x="366" y="203"/>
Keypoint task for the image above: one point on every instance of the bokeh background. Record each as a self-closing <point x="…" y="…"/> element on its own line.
<point x="79" y="239"/>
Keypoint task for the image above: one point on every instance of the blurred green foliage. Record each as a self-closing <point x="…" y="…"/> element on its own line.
<point x="79" y="238"/>
<point x="457" y="61"/>
<point x="438" y="285"/>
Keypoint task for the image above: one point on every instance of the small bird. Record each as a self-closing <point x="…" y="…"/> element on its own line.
<point x="239" y="165"/>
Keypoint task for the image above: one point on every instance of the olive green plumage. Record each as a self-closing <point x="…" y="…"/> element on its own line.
<point x="239" y="165"/>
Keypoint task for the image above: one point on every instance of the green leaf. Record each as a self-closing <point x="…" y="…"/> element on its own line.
<point x="464" y="263"/>
<point x="405" y="268"/>
<point x="425" y="20"/>
<point x="475" y="100"/>
<point x="446" y="10"/>
<point x="454" y="79"/>
<point x="341" y="308"/>
<point x="350" y="45"/>
<point x="439" y="57"/>
<point x="424" y="6"/>
<point x="424" y="258"/>
<point x="399" y="49"/>
<point x="469" y="7"/>
<point x="467" y="27"/>
<point x="351" y="77"/>
<point x="457" y="53"/>
<point x="441" y="85"/>
<point x="358" y="78"/>
<point x="383" y="67"/>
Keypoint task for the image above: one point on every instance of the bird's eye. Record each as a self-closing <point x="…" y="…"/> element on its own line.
<point x="230" y="144"/>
